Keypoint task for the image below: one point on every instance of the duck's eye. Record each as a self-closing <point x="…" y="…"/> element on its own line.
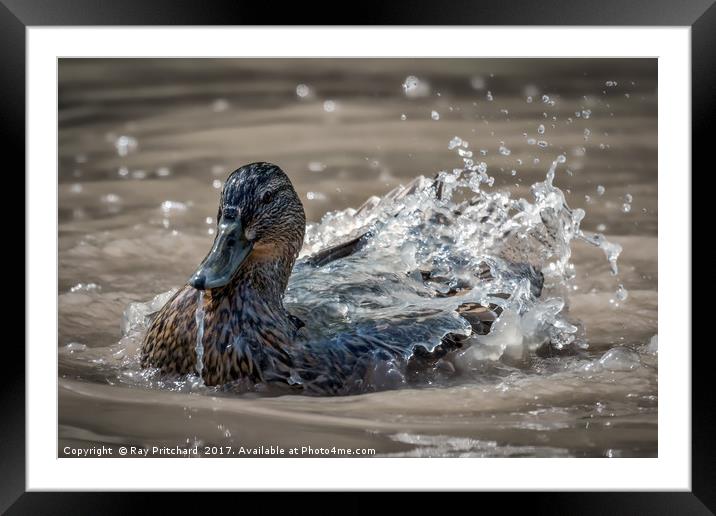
<point x="267" y="197"/>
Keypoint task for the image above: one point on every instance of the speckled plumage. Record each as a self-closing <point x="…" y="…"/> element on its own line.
<point x="244" y="336"/>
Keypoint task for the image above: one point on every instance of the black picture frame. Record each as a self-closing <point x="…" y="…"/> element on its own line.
<point x="17" y="15"/>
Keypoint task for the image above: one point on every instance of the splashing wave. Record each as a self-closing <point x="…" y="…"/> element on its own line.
<point x="428" y="247"/>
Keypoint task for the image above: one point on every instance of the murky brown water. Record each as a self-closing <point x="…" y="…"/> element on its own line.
<point x="136" y="133"/>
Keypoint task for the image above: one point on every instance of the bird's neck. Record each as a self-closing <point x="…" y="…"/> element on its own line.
<point x="258" y="285"/>
<point x="245" y="324"/>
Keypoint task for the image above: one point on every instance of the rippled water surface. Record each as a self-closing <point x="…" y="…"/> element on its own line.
<point x="145" y="146"/>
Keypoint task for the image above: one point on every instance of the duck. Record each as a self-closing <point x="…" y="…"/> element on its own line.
<point x="228" y="323"/>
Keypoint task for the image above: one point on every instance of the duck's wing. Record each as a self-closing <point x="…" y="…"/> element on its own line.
<point x="480" y="318"/>
<point x="336" y="252"/>
<point x="355" y="244"/>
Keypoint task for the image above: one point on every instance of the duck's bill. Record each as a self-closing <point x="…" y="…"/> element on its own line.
<point x="229" y="251"/>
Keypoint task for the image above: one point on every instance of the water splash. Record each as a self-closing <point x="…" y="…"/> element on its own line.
<point x="303" y="91"/>
<point x="199" y="348"/>
<point x="413" y="87"/>
<point x="136" y="316"/>
<point x="621" y="294"/>
<point x="125" y="145"/>
<point x="432" y="246"/>
<point x="447" y="230"/>
<point x="611" y="250"/>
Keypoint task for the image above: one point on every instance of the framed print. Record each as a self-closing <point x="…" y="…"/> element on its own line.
<point x="437" y="251"/>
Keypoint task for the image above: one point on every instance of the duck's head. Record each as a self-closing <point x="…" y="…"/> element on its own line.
<point x="260" y="218"/>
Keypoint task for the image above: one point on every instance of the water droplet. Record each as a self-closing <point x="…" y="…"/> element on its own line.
<point x="220" y="105"/>
<point x="477" y="83"/>
<point x="601" y="190"/>
<point x="621" y="294"/>
<point x="435" y="115"/>
<point x="489" y="96"/>
<point x="86" y="287"/>
<point x="504" y="150"/>
<point x="455" y="142"/>
<point x="329" y="106"/>
<point x="403" y="117"/>
<point x="111" y="199"/>
<point x="316" y="196"/>
<point x="414" y="87"/>
<point x="74" y="347"/>
<point x="170" y="207"/>
<point x="216" y="184"/>
<point x="626" y="208"/>
<point x="542" y="144"/>
<point x="316" y="166"/>
<point x="303" y="91"/>
<point x="125" y="145"/>
<point x="540" y="129"/>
